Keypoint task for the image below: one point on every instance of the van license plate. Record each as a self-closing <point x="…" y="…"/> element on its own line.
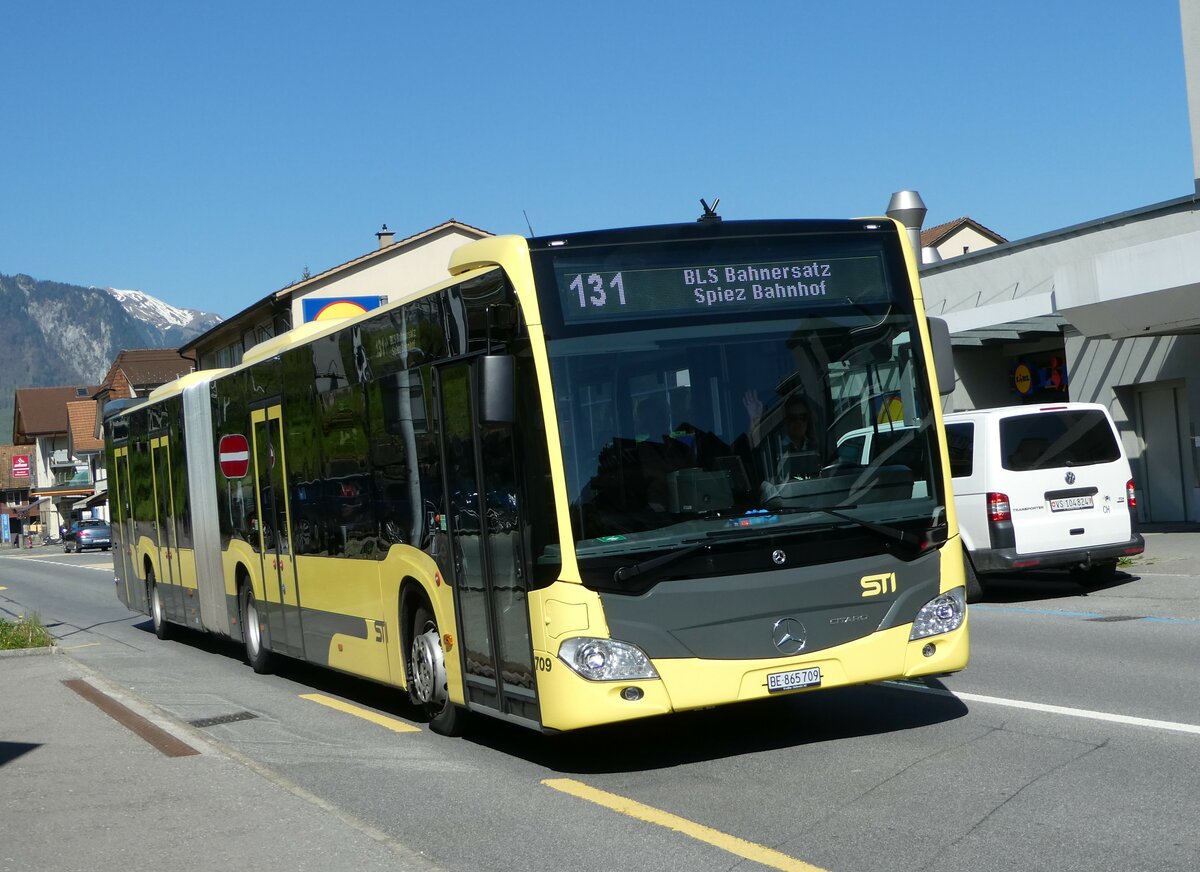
<point x="797" y="678"/>
<point x="1066" y="504"/>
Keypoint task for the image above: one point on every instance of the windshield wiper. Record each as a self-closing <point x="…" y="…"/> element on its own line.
<point x="888" y="532"/>
<point x="633" y="570"/>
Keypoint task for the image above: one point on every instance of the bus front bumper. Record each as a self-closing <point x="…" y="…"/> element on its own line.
<point x="569" y="701"/>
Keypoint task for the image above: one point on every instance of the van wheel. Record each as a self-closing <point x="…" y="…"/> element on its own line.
<point x="974" y="585"/>
<point x="427" y="675"/>
<point x="1095" y="575"/>
<point x="257" y="654"/>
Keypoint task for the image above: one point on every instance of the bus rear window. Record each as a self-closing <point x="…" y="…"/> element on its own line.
<point x="1048" y="440"/>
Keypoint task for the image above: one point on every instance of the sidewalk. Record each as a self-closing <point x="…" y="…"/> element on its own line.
<point x="80" y="791"/>
<point x="1170" y="548"/>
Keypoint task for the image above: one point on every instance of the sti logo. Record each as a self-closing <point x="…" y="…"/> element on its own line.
<point x="874" y="585"/>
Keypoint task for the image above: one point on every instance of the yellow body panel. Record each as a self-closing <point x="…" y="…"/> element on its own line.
<point x="185" y="563"/>
<point x="146" y="549"/>
<point x="239" y="553"/>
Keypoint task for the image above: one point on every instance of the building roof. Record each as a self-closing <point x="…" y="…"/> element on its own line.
<point x="81" y="435"/>
<point x="1036" y="327"/>
<point x="147" y="368"/>
<point x="43" y="411"/>
<point x="407" y="242"/>
<point x="935" y="236"/>
<point x="279" y="298"/>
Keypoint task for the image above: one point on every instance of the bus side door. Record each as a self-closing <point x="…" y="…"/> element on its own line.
<point x="484" y="525"/>
<point x="131" y="591"/>
<point x="164" y="526"/>
<point x="282" y="599"/>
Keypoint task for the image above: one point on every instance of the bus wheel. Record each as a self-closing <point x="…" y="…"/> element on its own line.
<point x="161" y="628"/>
<point x="974" y="585"/>
<point x="257" y="655"/>
<point x="427" y="675"/>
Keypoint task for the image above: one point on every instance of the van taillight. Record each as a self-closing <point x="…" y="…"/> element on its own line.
<point x="1130" y="494"/>
<point x="998" y="509"/>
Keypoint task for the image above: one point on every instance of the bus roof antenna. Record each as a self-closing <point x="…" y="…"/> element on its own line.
<point x="710" y="212"/>
<point x="527" y="224"/>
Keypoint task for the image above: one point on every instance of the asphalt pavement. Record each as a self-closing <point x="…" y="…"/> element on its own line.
<point x="94" y="779"/>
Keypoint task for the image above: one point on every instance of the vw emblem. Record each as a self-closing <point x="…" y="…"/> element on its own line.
<point x="789" y="636"/>
<point x="779" y="557"/>
<point x="1070" y="477"/>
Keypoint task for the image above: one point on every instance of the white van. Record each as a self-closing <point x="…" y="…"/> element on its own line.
<point x="1040" y="487"/>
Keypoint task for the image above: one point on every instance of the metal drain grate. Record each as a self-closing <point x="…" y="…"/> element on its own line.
<point x="223" y="719"/>
<point x="1113" y="618"/>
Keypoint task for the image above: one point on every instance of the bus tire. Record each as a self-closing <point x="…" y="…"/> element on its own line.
<point x="158" y="614"/>
<point x="257" y="654"/>
<point x="974" y="585"/>
<point x="427" y="675"/>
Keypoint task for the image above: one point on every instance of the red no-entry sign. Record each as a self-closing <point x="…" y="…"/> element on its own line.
<point x="233" y="453"/>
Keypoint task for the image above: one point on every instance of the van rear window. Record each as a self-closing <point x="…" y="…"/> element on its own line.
<point x="1047" y="440"/>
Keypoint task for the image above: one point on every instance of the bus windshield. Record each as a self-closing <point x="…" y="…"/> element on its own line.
<point x="737" y="389"/>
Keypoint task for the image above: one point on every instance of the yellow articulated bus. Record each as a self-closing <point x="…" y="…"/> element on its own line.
<point x="589" y="478"/>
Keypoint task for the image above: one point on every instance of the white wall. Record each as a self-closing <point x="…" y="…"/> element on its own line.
<point x="1109" y="371"/>
<point x="405" y="272"/>
<point x="964" y="237"/>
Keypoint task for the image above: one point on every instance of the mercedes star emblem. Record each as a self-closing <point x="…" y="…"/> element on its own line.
<point x="779" y="557"/>
<point x="789" y="636"/>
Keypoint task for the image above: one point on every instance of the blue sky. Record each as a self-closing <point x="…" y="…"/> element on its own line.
<point x="208" y="153"/>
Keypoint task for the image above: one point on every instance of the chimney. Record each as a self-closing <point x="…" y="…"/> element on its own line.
<point x="385" y="237"/>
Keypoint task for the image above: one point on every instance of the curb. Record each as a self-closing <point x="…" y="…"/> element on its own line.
<point x="30" y="652"/>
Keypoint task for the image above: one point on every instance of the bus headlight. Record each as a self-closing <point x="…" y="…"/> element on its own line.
<point x="605" y="659"/>
<point x="942" y="614"/>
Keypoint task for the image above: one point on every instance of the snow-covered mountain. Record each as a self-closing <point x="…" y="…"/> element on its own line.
<point x="164" y="316"/>
<point x="59" y="334"/>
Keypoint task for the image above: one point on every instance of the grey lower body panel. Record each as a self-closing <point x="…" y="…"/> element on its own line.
<point x="733" y="617"/>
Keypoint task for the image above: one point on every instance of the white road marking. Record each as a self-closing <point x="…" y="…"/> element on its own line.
<point x="100" y="567"/>
<point x="1129" y="720"/>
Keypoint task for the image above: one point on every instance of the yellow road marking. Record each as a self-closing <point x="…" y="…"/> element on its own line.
<point x="396" y="726"/>
<point x="732" y="844"/>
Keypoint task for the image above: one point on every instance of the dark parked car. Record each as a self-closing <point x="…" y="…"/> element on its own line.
<point x="88" y="534"/>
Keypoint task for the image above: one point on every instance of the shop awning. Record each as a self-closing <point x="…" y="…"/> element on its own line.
<point x="24" y="510"/>
<point x="99" y="498"/>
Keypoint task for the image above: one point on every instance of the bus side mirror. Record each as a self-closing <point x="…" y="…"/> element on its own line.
<point x="943" y="355"/>
<point x="497" y="389"/>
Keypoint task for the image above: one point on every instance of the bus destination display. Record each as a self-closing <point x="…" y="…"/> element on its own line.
<point x="598" y="295"/>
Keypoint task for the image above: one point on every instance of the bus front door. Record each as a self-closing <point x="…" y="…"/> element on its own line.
<point x="282" y="605"/>
<point x="484" y="523"/>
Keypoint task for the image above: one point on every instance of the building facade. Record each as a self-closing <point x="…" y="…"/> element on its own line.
<point x="392" y="270"/>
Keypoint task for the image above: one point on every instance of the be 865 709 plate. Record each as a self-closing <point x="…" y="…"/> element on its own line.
<point x="809" y="676"/>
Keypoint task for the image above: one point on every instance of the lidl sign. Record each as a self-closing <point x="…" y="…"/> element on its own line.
<point x="322" y="309"/>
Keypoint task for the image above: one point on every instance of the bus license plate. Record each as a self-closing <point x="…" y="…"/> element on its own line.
<point x="808" y="677"/>
<point x="1066" y="504"/>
